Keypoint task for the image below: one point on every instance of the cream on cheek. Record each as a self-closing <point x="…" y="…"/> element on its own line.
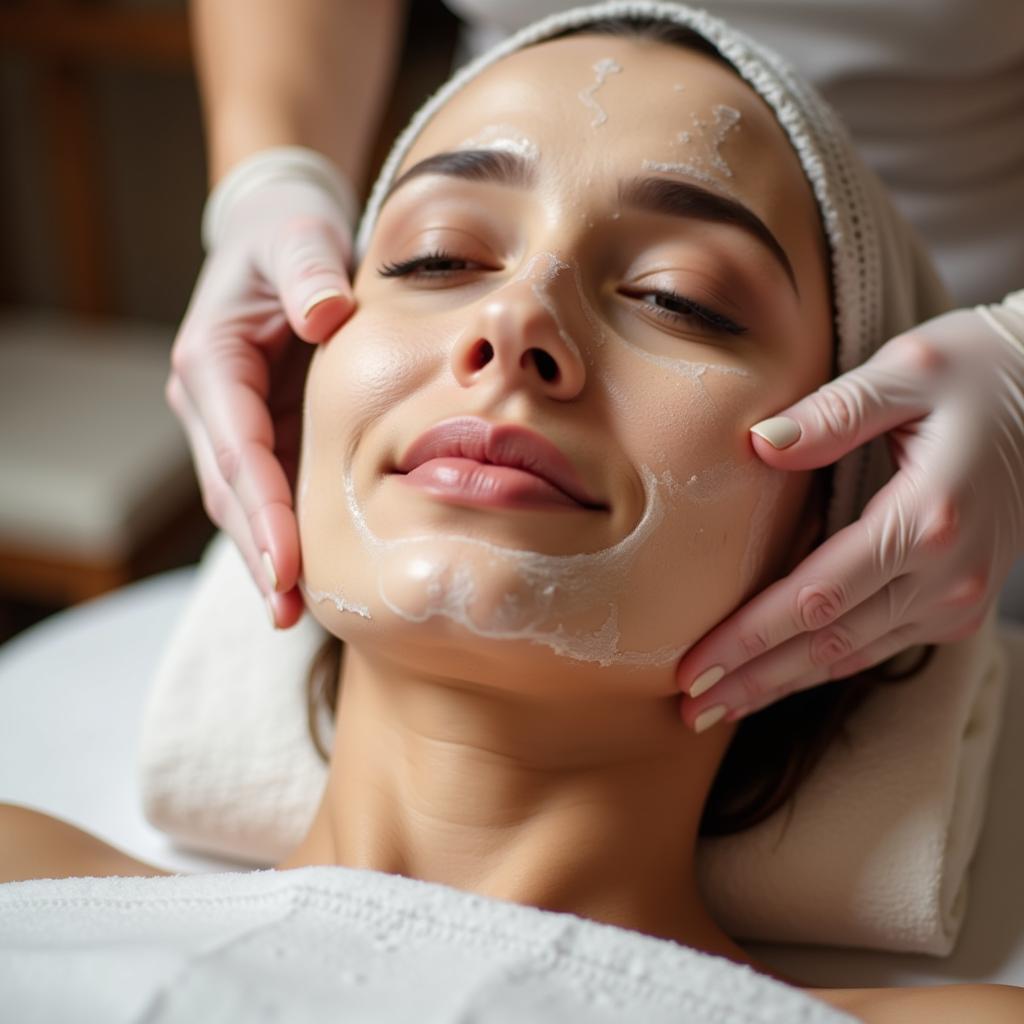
<point x="606" y="607"/>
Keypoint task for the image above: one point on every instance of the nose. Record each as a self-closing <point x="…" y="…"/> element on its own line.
<point x="516" y="338"/>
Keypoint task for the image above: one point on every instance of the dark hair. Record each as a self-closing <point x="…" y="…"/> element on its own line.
<point x="656" y="30"/>
<point x="772" y="751"/>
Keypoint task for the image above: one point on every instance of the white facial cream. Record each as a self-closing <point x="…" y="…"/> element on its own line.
<point x="602" y="69"/>
<point x="503" y="137"/>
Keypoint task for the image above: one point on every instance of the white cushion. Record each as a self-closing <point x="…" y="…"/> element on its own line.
<point x="91" y="457"/>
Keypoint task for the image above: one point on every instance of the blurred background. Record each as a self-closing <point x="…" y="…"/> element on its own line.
<point x="102" y="183"/>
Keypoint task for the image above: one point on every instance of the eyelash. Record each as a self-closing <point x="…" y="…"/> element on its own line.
<point x="693" y="310"/>
<point x="417" y="264"/>
<point x="708" y="318"/>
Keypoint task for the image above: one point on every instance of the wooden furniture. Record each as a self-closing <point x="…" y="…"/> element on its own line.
<point x="96" y="482"/>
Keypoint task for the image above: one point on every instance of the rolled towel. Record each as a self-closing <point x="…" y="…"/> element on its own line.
<point x="874" y="852"/>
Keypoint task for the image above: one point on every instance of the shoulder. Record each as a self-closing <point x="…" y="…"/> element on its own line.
<point x="930" y="1004"/>
<point x="36" y="845"/>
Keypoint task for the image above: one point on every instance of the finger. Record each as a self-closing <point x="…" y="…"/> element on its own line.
<point x="309" y="273"/>
<point x="224" y="509"/>
<point x="875" y="654"/>
<point x="834" y="578"/>
<point x="239" y="432"/>
<point x="811" y="656"/>
<point x="288" y="608"/>
<point x="220" y="502"/>
<point x="885" y="392"/>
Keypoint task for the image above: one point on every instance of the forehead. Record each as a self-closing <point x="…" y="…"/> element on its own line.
<point x="603" y="101"/>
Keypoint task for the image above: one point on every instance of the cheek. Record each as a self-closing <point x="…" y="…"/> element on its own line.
<point x="726" y="516"/>
<point x="370" y="365"/>
<point x="359" y="376"/>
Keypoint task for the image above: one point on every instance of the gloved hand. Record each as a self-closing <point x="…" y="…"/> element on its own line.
<point x="933" y="547"/>
<point x="277" y="233"/>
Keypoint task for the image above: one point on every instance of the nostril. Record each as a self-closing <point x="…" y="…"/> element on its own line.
<point x="483" y="355"/>
<point x="546" y="366"/>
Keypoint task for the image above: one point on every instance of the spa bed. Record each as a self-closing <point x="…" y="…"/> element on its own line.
<point x="72" y="694"/>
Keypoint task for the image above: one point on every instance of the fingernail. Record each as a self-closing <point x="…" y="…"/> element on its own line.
<point x="322" y="296"/>
<point x="268" y="565"/>
<point x="779" y="431"/>
<point x="706" y="680"/>
<point x="270" y="611"/>
<point x="708" y="718"/>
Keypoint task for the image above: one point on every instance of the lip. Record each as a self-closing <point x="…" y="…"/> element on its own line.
<point x="499" y="444"/>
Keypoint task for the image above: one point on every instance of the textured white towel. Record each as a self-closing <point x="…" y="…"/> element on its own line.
<point x="340" y="944"/>
<point x="875" y="853"/>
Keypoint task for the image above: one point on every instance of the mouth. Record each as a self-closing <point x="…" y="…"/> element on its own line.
<point x="468" y="459"/>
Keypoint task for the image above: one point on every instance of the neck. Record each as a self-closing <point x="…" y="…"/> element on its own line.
<point x="583" y="806"/>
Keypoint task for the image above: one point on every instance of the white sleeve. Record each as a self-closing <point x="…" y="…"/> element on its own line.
<point x="1006" y="318"/>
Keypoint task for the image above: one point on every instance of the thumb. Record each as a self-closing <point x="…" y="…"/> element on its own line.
<point x="843" y="414"/>
<point x="311" y="277"/>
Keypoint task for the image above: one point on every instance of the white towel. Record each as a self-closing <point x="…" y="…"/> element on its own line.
<point x="875" y="854"/>
<point x="877" y="849"/>
<point x="341" y="944"/>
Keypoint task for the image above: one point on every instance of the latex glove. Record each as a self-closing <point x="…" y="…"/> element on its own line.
<point x="933" y="547"/>
<point x="279" y="242"/>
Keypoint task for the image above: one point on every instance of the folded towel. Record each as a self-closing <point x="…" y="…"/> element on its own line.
<point x="875" y="852"/>
<point x="328" y="943"/>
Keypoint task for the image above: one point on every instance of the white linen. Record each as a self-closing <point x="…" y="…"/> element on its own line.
<point x="72" y="693"/>
<point x="931" y="91"/>
<point x="328" y="943"/>
<point x="96" y="663"/>
<point x="227" y="766"/>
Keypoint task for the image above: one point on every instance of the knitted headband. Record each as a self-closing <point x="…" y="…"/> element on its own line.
<point x="882" y="282"/>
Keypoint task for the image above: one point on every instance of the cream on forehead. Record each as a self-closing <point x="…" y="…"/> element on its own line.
<point x="703" y="160"/>
<point x="712" y="136"/>
<point x="503" y="137"/>
<point x="689" y="170"/>
<point x="602" y="69"/>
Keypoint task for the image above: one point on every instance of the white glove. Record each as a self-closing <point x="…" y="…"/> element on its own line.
<point x="933" y="547"/>
<point x="277" y="229"/>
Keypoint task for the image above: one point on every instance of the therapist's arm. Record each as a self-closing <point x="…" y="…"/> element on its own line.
<point x="313" y="73"/>
<point x="293" y="92"/>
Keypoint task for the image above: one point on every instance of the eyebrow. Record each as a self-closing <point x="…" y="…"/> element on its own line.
<point x="685" y="199"/>
<point x="495" y="166"/>
<point x="656" y="195"/>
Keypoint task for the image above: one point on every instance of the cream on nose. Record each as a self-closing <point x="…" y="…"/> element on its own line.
<point x="516" y="332"/>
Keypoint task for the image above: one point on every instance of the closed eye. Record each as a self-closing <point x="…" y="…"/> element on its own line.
<point x="678" y="308"/>
<point x="436" y="264"/>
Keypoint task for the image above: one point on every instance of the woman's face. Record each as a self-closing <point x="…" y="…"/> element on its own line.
<point x="629" y="263"/>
